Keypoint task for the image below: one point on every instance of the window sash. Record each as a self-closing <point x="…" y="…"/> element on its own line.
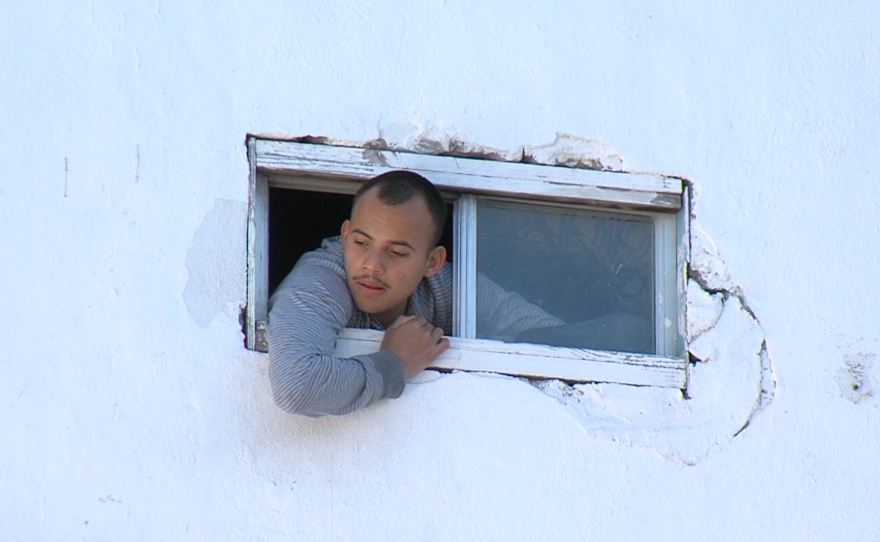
<point x="520" y="180"/>
<point x="665" y="305"/>
<point x="341" y="170"/>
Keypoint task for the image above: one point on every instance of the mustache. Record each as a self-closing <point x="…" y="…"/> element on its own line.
<point x="372" y="279"/>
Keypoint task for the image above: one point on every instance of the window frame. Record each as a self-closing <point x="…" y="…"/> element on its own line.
<point x="340" y="169"/>
<point x="466" y="250"/>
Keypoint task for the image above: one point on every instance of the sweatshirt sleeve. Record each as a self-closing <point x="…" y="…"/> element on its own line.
<point x="308" y="311"/>
<point x="503" y="314"/>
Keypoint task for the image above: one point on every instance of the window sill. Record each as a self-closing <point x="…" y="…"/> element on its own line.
<point x="537" y="361"/>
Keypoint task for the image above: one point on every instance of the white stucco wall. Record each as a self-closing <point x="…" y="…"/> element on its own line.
<point x="129" y="408"/>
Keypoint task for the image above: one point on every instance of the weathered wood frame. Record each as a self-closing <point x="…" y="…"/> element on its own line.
<point x="336" y="169"/>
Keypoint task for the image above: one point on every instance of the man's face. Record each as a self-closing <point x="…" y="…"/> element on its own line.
<point x="388" y="251"/>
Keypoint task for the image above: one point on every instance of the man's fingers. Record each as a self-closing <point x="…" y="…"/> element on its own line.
<point x="415" y="341"/>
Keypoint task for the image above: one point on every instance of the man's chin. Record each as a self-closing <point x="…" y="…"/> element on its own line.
<point x="368" y="306"/>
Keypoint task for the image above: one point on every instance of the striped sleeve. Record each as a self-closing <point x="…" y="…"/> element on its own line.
<point x="503" y="314"/>
<point x="308" y="311"/>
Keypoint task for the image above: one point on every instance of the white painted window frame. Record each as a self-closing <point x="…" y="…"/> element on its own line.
<point x="335" y="169"/>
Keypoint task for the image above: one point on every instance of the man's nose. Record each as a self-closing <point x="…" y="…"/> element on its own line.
<point x="375" y="262"/>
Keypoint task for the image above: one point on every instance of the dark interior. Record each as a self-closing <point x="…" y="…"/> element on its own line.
<point x="299" y="220"/>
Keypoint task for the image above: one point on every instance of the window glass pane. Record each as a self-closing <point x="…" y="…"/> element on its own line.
<point x="566" y="277"/>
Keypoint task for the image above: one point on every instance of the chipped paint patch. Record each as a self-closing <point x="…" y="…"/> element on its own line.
<point x="854" y="378"/>
<point x="216" y="275"/>
<point x="577" y="152"/>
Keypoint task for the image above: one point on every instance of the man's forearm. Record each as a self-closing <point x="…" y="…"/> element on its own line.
<point x="503" y="314"/>
<point x="317" y="385"/>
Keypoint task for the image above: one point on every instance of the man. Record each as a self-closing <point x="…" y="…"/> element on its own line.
<point x="385" y="272"/>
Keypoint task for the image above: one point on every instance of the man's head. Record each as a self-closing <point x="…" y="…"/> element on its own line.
<point x="399" y="187"/>
<point x="390" y="242"/>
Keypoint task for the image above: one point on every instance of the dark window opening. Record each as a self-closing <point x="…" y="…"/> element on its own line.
<point x="299" y="220"/>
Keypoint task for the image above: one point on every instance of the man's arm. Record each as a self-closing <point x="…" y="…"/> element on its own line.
<point x="309" y="310"/>
<point x="503" y="314"/>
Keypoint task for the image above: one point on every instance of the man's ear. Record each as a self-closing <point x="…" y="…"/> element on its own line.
<point x="436" y="259"/>
<point x="346" y="226"/>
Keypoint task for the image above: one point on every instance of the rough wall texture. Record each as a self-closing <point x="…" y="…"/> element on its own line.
<point x="130" y="410"/>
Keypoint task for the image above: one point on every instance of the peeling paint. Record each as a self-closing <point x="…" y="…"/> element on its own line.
<point x="375" y="157"/>
<point x="576" y="152"/>
<point x="706" y="266"/>
<point x="565" y="150"/>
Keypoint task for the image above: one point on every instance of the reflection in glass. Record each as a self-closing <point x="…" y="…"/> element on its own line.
<point x="590" y="273"/>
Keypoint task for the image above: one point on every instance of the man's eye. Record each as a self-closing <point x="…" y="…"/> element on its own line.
<point x="360" y="243"/>
<point x="399" y="254"/>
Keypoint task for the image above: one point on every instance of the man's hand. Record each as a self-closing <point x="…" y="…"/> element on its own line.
<point x="415" y="341"/>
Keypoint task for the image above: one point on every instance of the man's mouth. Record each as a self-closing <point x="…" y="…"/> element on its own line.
<point x="371" y="286"/>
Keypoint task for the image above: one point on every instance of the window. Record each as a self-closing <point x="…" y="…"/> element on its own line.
<point x="603" y="253"/>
